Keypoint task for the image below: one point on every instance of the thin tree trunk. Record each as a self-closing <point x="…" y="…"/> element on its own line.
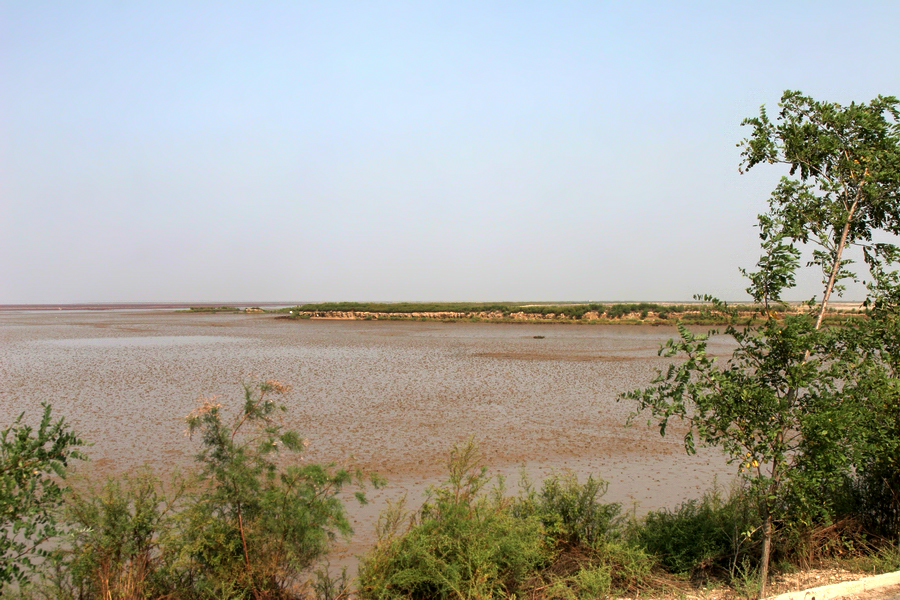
<point x="829" y="288"/>
<point x="766" y="550"/>
<point x="243" y="538"/>
<point x="837" y="265"/>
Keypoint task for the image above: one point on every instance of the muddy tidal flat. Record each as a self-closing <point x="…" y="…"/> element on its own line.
<point x="393" y="397"/>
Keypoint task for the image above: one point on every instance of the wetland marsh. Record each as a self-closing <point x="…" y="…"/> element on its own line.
<point x="393" y="397"/>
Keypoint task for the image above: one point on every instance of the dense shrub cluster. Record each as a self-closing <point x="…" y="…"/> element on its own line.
<point x="459" y="544"/>
<point x="709" y="536"/>
<point x="560" y="541"/>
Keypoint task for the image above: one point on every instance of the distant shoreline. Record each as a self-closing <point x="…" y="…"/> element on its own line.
<point x="101" y="306"/>
<point x="272" y="306"/>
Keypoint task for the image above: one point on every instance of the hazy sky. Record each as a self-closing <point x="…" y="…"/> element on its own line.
<point x="194" y="151"/>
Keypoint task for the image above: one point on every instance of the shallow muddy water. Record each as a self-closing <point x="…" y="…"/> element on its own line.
<point x="394" y="396"/>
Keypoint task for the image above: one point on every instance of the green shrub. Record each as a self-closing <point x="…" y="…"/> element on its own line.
<point x="31" y="464"/>
<point x="612" y="567"/>
<point x="877" y="494"/>
<point x="593" y="582"/>
<point x="249" y="526"/>
<point x="115" y="543"/>
<point x="701" y="535"/>
<point x="460" y="544"/>
<point x="258" y="524"/>
<point x="570" y="512"/>
<point x="560" y="541"/>
<point x="631" y="567"/>
<point x="491" y="553"/>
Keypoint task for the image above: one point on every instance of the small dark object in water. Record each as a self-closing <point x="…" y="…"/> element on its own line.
<point x="538" y="337"/>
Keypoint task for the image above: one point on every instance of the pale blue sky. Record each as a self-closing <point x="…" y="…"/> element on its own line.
<point x="193" y="151"/>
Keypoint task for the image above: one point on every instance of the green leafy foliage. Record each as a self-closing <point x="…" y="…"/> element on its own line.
<point x="571" y="512"/>
<point x="559" y="541"/>
<point x="870" y="368"/>
<point x="793" y="404"/>
<point x="250" y="524"/>
<point x="702" y="537"/>
<point x="461" y="543"/>
<point x="846" y="186"/>
<point x="32" y="462"/>
<point x="118" y="538"/>
<point x="260" y="521"/>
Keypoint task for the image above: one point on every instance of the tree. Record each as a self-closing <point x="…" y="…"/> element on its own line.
<point x="845" y="193"/>
<point x="31" y="461"/>
<point x="845" y="163"/>
<point x="780" y="406"/>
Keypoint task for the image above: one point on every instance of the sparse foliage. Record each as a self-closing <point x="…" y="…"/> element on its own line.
<point x="251" y="524"/>
<point x="262" y="521"/>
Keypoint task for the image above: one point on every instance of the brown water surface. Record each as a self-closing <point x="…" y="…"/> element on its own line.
<point x="395" y="396"/>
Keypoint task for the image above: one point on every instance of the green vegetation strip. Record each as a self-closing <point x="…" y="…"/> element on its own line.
<point x="699" y="313"/>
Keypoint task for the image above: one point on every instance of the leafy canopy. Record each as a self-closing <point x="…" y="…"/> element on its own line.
<point x="793" y="403"/>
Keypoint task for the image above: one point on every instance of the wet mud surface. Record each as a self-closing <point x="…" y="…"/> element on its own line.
<point x="392" y="397"/>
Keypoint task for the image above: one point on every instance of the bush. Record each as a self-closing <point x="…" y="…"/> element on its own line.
<point x="570" y="512"/>
<point x="559" y="542"/>
<point x="461" y="543"/>
<point x="249" y="527"/>
<point x="258" y="525"/>
<point x="701" y="535"/>
<point x="877" y="493"/>
<point x="30" y="463"/>
<point x="115" y="549"/>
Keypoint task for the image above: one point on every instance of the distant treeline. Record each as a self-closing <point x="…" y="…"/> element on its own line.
<point x="214" y="309"/>
<point x="572" y="311"/>
<point x="638" y="312"/>
<point x="505" y="310"/>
